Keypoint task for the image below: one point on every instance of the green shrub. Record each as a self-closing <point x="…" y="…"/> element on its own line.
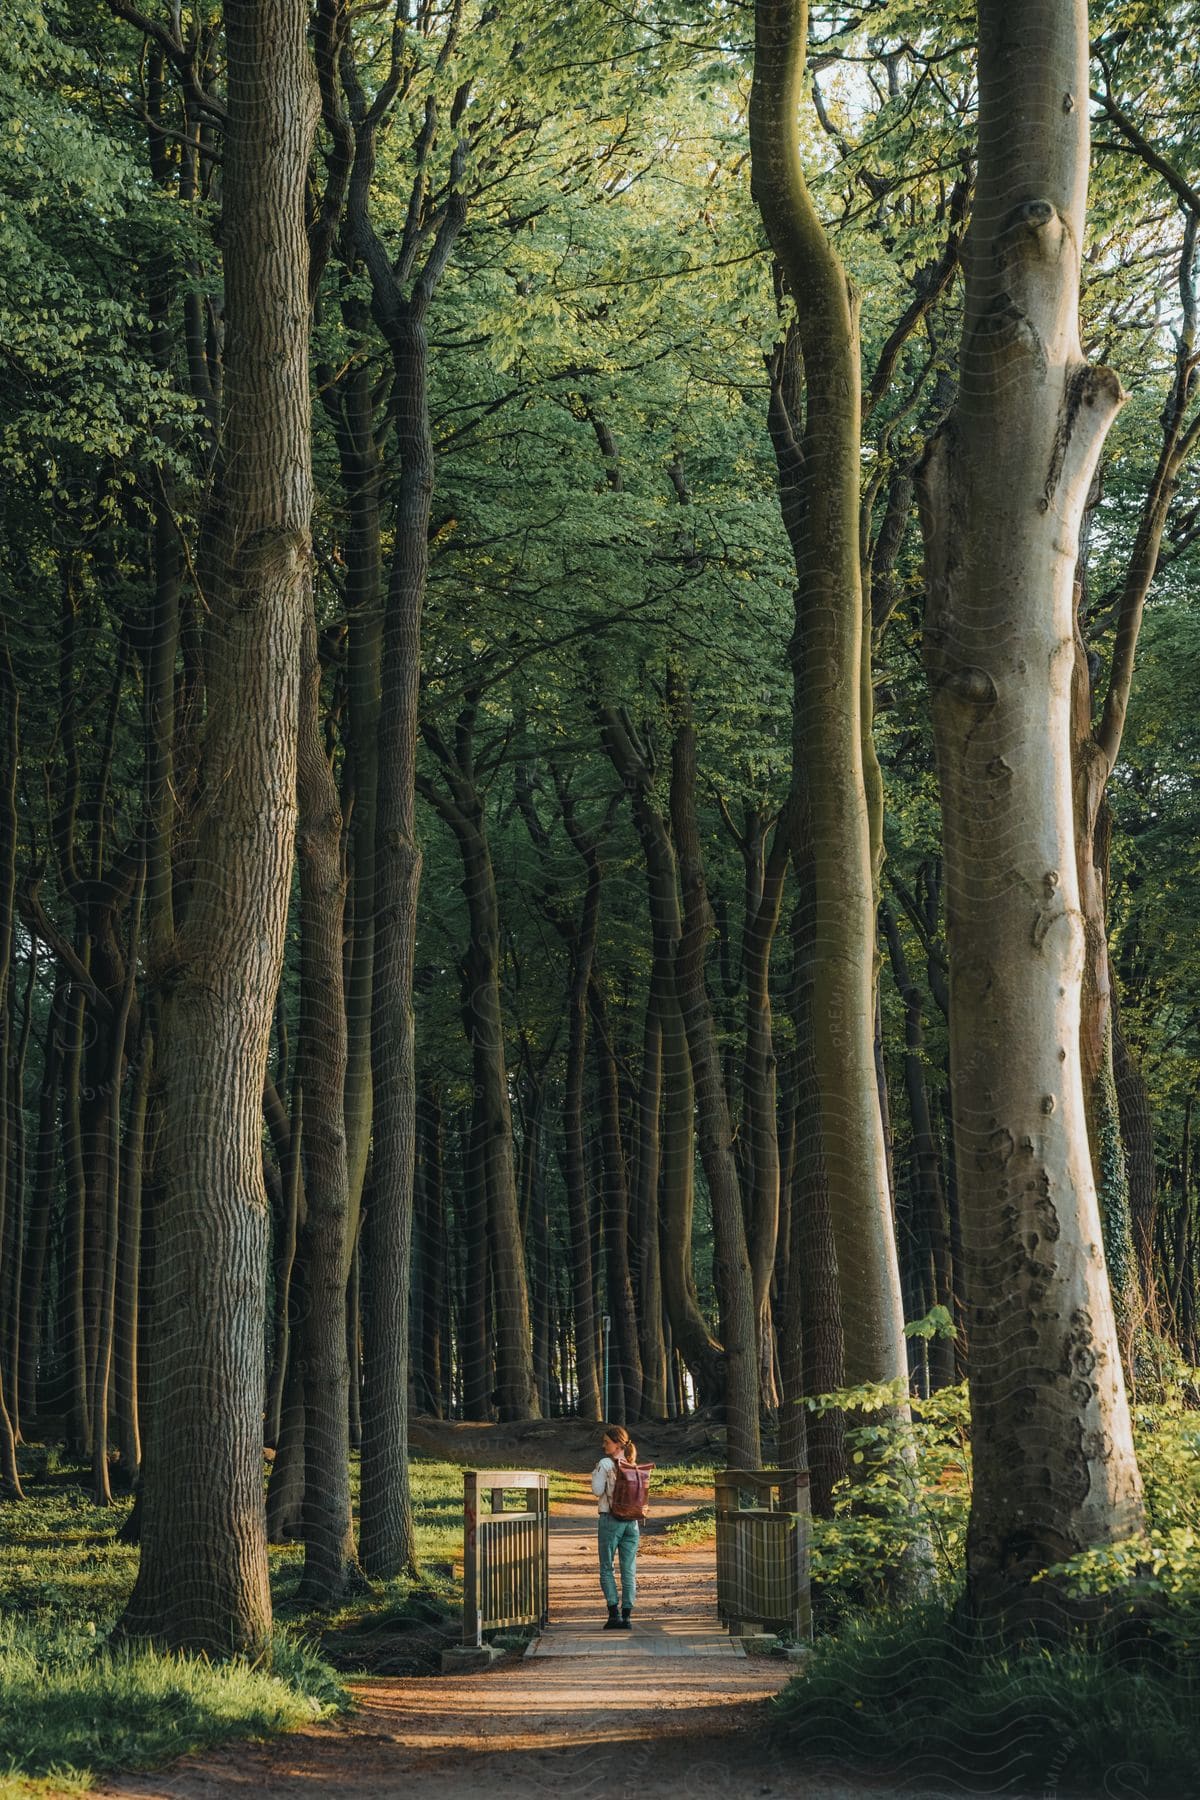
<point x="907" y="1689"/>
<point x="908" y="1692"/>
<point x="897" y="1497"/>
<point x="908" y="1490"/>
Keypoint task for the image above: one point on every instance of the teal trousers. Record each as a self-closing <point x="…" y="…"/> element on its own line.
<point x="619" y="1538"/>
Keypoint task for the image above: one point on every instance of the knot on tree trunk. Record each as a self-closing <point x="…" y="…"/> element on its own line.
<point x="275" y="554"/>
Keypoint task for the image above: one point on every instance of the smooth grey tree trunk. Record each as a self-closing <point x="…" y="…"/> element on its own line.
<point x="1003" y="490"/>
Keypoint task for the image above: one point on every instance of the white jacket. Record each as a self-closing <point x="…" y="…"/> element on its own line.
<point x="604" y="1480"/>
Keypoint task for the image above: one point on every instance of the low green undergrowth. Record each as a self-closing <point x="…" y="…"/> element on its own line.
<point x="71" y="1707"/>
<point x="909" y="1692"/>
<point x="671" y="1481"/>
<point x="909" y="1498"/>
<point x="698" y="1526"/>
<point x="907" y="1688"/>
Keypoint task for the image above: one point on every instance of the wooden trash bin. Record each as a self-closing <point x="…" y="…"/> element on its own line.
<point x="506" y="1550"/>
<point x="763" y="1550"/>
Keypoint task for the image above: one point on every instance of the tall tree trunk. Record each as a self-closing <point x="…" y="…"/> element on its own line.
<point x="542" y="1267"/>
<point x="34" y="1267"/>
<point x="690" y="1333"/>
<point x="432" y="1261"/>
<point x="354" y="1338"/>
<point x="10" y="1483"/>
<point x="483" y="1020"/>
<point x="10" y="1357"/>
<point x="1137" y="1134"/>
<point x="625" y="1374"/>
<point x="70" y="1315"/>
<point x="932" y="1214"/>
<point x="388" y="1531"/>
<point x="474" y="1342"/>
<point x="1093" y="834"/>
<point x="811" y="1351"/>
<point x="1180" y="1260"/>
<point x="110" y="1262"/>
<point x="1094" y="753"/>
<point x="820" y="470"/>
<point x="1003" y="490"/>
<point x="760" y="1123"/>
<point x="579" y="1210"/>
<point x="734" y="1279"/>
<point x="328" y="1527"/>
<point x="644" y="1203"/>
<point x="350" y="401"/>
<point x="287" y="1193"/>
<point x="515" y="1394"/>
<point x="134" y="1155"/>
<point x="202" y="1580"/>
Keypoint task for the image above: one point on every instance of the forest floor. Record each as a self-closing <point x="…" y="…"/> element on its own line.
<point x="680" y="1727"/>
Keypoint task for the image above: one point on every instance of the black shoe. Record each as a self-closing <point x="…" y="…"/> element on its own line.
<point x="613" y="1621"/>
<point x="626" y="1621"/>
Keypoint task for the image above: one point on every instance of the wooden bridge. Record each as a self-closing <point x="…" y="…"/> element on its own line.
<point x="528" y="1564"/>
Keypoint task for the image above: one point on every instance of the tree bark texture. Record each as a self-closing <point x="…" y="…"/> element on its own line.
<point x="388" y="1542"/>
<point x="1003" y="490"/>
<point x="493" y="1165"/>
<point x="37" y="1241"/>
<point x="582" y="949"/>
<point x="811" y="1348"/>
<point x="690" y="1334"/>
<point x="1137" y="1136"/>
<point x="932" y="1217"/>
<point x="644" y="1203"/>
<point x="10" y="1481"/>
<point x="625" y="1364"/>
<point x="760" y="1123"/>
<point x="328" y="1528"/>
<point x="361" y="472"/>
<point x="434" y="1250"/>
<point x="202" y="1580"/>
<point x="734" y="1278"/>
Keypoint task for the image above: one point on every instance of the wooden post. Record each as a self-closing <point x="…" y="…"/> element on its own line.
<point x="472" y="1596"/>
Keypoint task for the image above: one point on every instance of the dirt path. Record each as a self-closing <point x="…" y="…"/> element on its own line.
<point x="682" y="1728"/>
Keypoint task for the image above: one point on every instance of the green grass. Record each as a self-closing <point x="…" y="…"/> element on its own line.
<point x="69" y="1704"/>
<point x="910" y="1694"/>
<point x="671" y="1480"/>
<point x="698" y="1526"/>
<point x="71" y="1707"/>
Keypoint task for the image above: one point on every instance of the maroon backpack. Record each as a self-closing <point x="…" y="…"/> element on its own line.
<point x="631" y="1490"/>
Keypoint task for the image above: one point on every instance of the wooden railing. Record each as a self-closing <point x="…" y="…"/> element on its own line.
<point x="506" y="1553"/>
<point x="762" y="1550"/>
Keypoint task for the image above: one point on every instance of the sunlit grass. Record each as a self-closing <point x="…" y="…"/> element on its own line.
<point x="696" y="1526"/>
<point x="71" y="1707"/>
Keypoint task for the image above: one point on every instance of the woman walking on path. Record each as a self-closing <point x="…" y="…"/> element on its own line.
<point x="618" y="1535"/>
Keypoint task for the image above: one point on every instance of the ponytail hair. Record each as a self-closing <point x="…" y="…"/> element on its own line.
<point x="617" y="1434"/>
